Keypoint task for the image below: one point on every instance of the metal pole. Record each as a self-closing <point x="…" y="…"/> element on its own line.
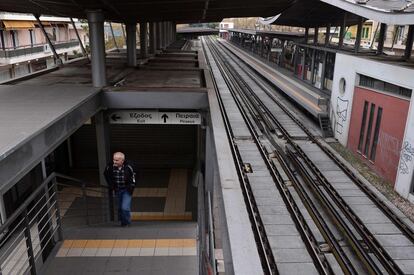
<point x="58" y="216"/>
<point x="327" y="34"/>
<point x="358" y="35"/>
<point x="143" y="39"/>
<point x="303" y="62"/>
<point x="315" y="35"/>
<point x="131" y="44"/>
<point x="342" y="32"/>
<point x="306" y="35"/>
<point x="113" y="36"/>
<point x="29" y="244"/>
<point x="97" y="44"/>
<point x="52" y="47"/>
<point x="79" y="39"/>
<point x="409" y="43"/>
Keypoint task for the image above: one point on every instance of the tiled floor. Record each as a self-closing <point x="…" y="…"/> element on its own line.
<point x="143" y="248"/>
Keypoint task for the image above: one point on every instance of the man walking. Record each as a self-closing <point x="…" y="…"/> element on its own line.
<point x="120" y="177"/>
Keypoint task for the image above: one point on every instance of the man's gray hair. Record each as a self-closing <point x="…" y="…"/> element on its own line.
<point x="119" y="154"/>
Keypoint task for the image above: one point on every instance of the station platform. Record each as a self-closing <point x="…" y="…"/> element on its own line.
<point x="311" y="99"/>
<point x="142" y="248"/>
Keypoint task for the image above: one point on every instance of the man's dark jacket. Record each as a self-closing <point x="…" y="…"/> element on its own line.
<point x="129" y="175"/>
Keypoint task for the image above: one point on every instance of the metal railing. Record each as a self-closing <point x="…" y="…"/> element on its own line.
<point x="29" y="235"/>
<point x="36" y="48"/>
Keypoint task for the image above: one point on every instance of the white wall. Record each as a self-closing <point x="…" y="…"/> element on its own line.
<point x="347" y="67"/>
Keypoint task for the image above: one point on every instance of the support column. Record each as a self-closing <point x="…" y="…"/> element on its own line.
<point x="342" y="32"/>
<point x="102" y="143"/>
<point x="158" y="35"/>
<point x="325" y="54"/>
<point x="381" y="39"/>
<point x="58" y="61"/>
<point x="164" y="35"/>
<point x="358" y="35"/>
<point x="409" y="43"/>
<point x="174" y="31"/>
<point x="79" y="39"/>
<point x="303" y="62"/>
<point x="143" y="39"/>
<point x="306" y="35"/>
<point x="131" y="40"/>
<point x="152" y="37"/>
<point x="262" y="46"/>
<point x="161" y="34"/>
<point x="315" y="35"/>
<point x="97" y="45"/>
<point x="327" y="34"/>
<point x="313" y="65"/>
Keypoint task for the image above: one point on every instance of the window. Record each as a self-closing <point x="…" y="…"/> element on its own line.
<point x="14" y="38"/>
<point x="370" y="82"/>
<point x="376" y="134"/>
<point x="32" y="37"/>
<point x="368" y="136"/>
<point x="361" y="133"/>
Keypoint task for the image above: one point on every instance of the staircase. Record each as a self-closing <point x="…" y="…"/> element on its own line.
<point x="325" y="124"/>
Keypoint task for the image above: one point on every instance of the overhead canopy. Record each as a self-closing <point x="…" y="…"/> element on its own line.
<point x="314" y="13"/>
<point x="17" y="25"/>
<point x="180" y="11"/>
<point x="319" y="13"/>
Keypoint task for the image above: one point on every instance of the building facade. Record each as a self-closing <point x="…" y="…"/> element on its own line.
<point x="24" y="48"/>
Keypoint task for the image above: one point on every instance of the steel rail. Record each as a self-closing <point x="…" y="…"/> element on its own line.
<point x="338" y="252"/>
<point x="267" y="258"/>
<point x="322" y="266"/>
<point x="405" y="229"/>
<point x="362" y="230"/>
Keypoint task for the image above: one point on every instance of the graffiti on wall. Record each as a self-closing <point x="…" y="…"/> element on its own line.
<point x="390" y="148"/>
<point x="407" y="155"/>
<point x="341" y="114"/>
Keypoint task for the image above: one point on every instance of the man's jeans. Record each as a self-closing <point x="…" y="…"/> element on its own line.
<point x="124" y="206"/>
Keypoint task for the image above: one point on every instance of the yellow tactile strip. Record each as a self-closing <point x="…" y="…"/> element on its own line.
<point x="126" y="247"/>
<point x="161" y="216"/>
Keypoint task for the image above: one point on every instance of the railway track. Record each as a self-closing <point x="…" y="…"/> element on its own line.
<point x="279" y="165"/>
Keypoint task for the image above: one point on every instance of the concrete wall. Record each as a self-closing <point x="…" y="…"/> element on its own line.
<point x="348" y="67"/>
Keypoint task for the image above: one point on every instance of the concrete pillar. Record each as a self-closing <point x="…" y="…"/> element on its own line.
<point x="358" y="35"/>
<point x="161" y="34"/>
<point x="158" y="35"/>
<point x="174" y="27"/>
<point x="381" y="38"/>
<point x="409" y="43"/>
<point x="152" y="37"/>
<point x="97" y="46"/>
<point x="131" y="40"/>
<point x="165" y="33"/>
<point x="102" y="142"/>
<point x="143" y="39"/>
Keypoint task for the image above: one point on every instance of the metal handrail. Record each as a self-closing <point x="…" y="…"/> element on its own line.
<point x="17" y="238"/>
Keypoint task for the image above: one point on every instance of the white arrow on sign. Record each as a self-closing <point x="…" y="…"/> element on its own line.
<point x="154" y="117"/>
